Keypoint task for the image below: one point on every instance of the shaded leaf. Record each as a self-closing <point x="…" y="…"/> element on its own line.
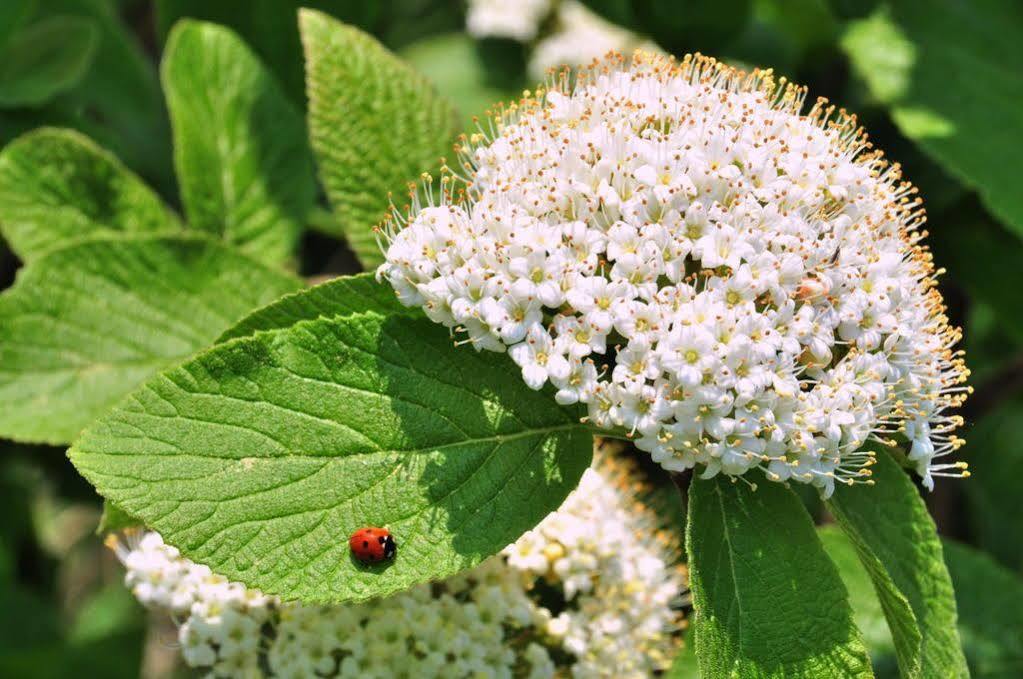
<point x="262" y="455"/>
<point x="85" y="325"/>
<point x="45" y="59"/>
<point x="57" y="187"/>
<point x="768" y="600"/>
<point x="240" y="147"/>
<point x="897" y="543"/>
<point x="375" y="125"/>
<point x="990" y="602"/>
<point x="971" y="125"/>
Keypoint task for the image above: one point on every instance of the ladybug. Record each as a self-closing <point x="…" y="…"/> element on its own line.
<point x="372" y="545"/>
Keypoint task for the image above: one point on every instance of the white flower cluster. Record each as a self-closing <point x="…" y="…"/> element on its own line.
<point x="515" y="19"/>
<point x="591" y="592"/>
<point x="733" y="283"/>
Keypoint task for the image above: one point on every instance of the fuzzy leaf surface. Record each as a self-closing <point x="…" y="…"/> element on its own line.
<point x="769" y="602"/>
<point x="338" y="297"/>
<point x="85" y="325"/>
<point x="240" y="147"/>
<point x="57" y="187"/>
<point x="375" y="125"/>
<point x="262" y="455"/>
<point x="897" y="543"/>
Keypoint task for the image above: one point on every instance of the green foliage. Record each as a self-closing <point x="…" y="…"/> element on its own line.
<point x="260" y="456"/>
<point x="85" y="325"/>
<point x="13" y="15"/>
<point x="895" y="538"/>
<point x="867" y="610"/>
<point x="339" y="297"/>
<point x="45" y="59"/>
<point x="701" y="25"/>
<point x="114" y="519"/>
<point x="909" y="55"/>
<point x="990" y="602"/>
<point x="375" y="125"/>
<point x="57" y="186"/>
<point x="768" y="601"/>
<point x="270" y="27"/>
<point x="239" y="146"/>
<point x="995" y="452"/>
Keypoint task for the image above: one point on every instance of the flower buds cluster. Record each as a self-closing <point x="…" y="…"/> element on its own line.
<point x="735" y="284"/>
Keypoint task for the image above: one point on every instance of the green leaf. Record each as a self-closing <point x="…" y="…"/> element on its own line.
<point x="13" y="15"/>
<point x="85" y="325"/>
<point x="44" y="60"/>
<point x="58" y="187"/>
<point x="339" y="297"/>
<point x="990" y="602"/>
<point x="239" y="146"/>
<point x="375" y="125"/>
<point x="120" y="94"/>
<point x="270" y="27"/>
<point x="972" y="125"/>
<point x="867" y="610"/>
<point x="262" y="455"/>
<point x="897" y="543"/>
<point x="768" y="600"/>
<point x="114" y="519"/>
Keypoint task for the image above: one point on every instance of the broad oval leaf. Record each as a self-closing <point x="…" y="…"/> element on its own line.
<point x="769" y="602"/>
<point x="897" y="543"/>
<point x="905" y="52"/>
<point x="57" y="187"/>
<point x="45" y="59"/>
<point x="262" y="455"/>
<point x="375" y="125"/>
<point x="85" y="325"/>
<point x="338" y="297"/>
<point x="240" y="147"/>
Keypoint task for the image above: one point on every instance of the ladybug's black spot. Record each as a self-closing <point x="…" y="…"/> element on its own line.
<point x="365" y="544"/>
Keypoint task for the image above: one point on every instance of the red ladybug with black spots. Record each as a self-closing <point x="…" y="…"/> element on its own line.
<point x="372" y="545"/>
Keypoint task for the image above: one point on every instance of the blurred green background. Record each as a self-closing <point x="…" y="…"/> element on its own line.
<point x="937" y="83"/>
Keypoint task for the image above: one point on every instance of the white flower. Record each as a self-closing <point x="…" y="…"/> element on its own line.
<point x="601" y="550"/>
<point x="746" y="278"/>
<point x="516" y="19"/>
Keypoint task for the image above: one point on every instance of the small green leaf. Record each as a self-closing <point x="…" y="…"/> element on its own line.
<point x="339" y="297"/>
<point x="374" y="122"/>
<point x="908" y="53"/>
<point x="45" y="59"/>
<point x="262" y="455"/>
<point x="990" y="602"/>
<point x="114" y="519"/>
<point x="58" y="187"/>
<point x="239" y="145"/>
<point x="769" y="602"/>
<point x="85" y="325"/>
<point x="896" y="541"/>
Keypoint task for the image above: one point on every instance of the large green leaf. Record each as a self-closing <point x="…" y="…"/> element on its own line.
<point x="375" y="124"/>
<point x="85" y="325"/>
<point x="990" y="602"/>
<point x="57" y="186"/>
<point x="45" y="59"/>
<point x="270" y="27"/>
<point x="910" y="58"/>
<point x="13" y="15"/>
<point x="261" y="456"/>
<point x="768" y="600"/>
<point x="896" y="540"/>
<point x="339" y="297"/>
<point x="240" y="147"/>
